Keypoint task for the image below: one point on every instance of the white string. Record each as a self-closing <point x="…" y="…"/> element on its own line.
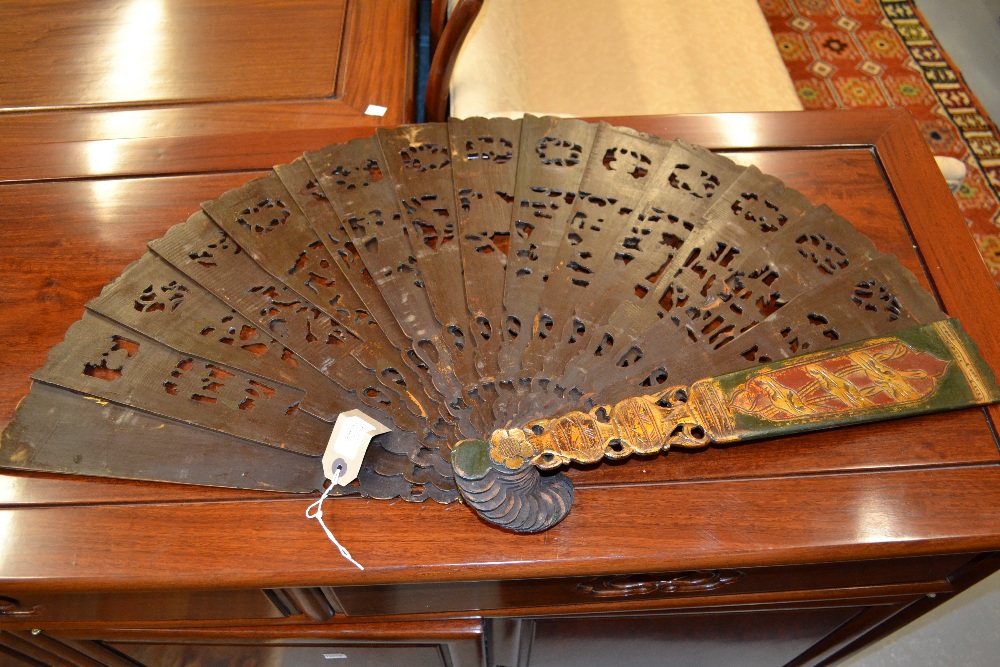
<point x="317" y="514"/>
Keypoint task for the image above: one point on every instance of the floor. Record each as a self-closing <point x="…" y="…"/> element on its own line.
<point x="963" y="630"/>
<point x="969" y="30"/>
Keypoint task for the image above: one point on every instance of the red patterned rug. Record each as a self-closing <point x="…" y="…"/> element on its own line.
<point x="849" y="54"/>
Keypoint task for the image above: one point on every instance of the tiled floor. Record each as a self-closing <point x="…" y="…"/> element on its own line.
<point x="963" y="631"/>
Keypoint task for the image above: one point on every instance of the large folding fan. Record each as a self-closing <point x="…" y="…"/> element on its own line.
<point x="467" y="283"/>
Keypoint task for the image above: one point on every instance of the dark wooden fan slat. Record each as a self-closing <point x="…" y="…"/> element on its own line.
<point x="736" y="223"/>
<point x="352" y="176"/>
<point x="553" y="156"/>
<point x="304" y="188"/>
<point x="206" y="253"/>
<point x="713" y="289"/>
<point x="671" y="210"/>
<point x="158" y="301"/>
<point x="620" y="167"/>
<point x="484" y="157"/>
<point x="871" y="299"/>
<point x="103" y="359"/>
<point x="60" y="431"/>
<point x="265" y="221"/>
<point x="417" y="159"/>
<point x="868" y="299"/>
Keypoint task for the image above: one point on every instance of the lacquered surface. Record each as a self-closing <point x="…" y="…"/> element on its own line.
<point x="163" y="51"/>
<point x="918" y="487"/>
<point x="172" y="86"/>
<point x="693" y="525"/>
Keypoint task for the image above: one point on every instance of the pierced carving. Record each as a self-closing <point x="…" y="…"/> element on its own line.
<point x="286" y="316"/>
<point x="210" y="383"/>
<point x="209" y="254"/>
<point x="264" y="217"/>
<point x="641" y="425"/>
<point x="372" y="219"/>
<point x="610" y="191"/>
<point x="424" y="156"/>
<point x="489" y="148"/>
<point x="636" y="164"/>
<point x="553" y="151"/>
<point x="363" y="175"/>
<point x="111" y="363"/>
<point x="453" y="279"/>
<point x="135" y="371"/>
<point x="203" y="326"/>
<point x="168" y="296"/>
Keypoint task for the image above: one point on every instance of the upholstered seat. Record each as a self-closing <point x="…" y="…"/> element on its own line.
<point x="611" y="57"/>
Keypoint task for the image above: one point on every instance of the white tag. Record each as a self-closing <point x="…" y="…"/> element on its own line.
<point x="348" y="443"/>
<point x="375" y="110"/>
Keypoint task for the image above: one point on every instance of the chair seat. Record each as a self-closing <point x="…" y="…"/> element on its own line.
<point x="619" y="57"/>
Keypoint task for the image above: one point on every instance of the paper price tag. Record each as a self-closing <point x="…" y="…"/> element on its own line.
<point x="352" y="433"/>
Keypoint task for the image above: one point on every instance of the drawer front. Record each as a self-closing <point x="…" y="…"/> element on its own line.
<point x="40" y="609"/>
<point x="901" y="576"/>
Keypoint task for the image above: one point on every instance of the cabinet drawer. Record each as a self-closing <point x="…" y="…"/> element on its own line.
<point x="341" y="643"/>
<point x="40" y="609"/>
<point x="856" y="578"/>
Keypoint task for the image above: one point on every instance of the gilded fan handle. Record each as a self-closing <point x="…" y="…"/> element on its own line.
<point x="925" y="369"/>
<point x="501" y="479"/>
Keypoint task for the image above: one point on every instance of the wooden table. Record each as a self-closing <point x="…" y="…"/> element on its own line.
<point x="794" y="551"/>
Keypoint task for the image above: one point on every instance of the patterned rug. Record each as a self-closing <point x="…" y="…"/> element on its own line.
<point x="850" y="54"/>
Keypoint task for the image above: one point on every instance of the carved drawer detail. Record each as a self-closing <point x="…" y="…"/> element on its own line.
<point x="917" y="575"/>
<point x="122" y="606"/>
<point x="14" y="610"/>
<point x="637" y="585"/>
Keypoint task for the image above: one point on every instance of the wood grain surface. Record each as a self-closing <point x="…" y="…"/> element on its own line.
<point x="151" y="87"/>
<point x="125" y="50"/>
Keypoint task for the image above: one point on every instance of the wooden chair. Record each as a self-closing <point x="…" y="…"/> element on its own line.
<point x="603" y="57"/>
<point x="447" y="36"/>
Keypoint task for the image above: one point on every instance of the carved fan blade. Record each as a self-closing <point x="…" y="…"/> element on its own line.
<point x="452" y="280"/>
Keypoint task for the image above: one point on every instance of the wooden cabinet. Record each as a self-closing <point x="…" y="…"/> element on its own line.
<point x="658" y="590"/>
<point x="456" y="643"/>
<point x="154" y="87"/>
<point x="794" y="551"/>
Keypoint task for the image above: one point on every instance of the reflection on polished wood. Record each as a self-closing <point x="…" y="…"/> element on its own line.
<point x="167" y="51"/>
<point x="176" y="86"/>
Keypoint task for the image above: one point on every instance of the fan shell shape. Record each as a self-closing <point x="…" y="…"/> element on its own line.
<point x="446" y="279"/>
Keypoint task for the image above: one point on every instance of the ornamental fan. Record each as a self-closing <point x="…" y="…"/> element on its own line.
<point x="449" y="280"/>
